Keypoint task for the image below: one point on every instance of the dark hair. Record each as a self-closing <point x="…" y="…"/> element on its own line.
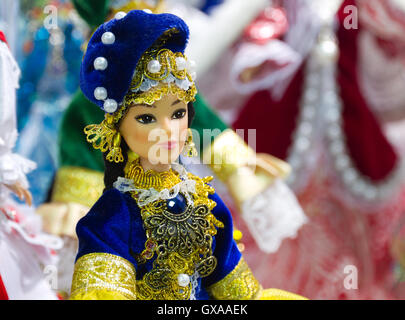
<point x="114" y="170"/>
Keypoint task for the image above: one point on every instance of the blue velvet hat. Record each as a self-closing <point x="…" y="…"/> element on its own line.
<point x="117" y="46"/>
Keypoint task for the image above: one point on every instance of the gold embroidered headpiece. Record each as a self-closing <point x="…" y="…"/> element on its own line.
<point x="136" y="58"/>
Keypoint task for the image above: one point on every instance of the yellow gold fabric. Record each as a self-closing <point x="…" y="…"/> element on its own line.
<point x="227" y="153"/>
<point x="240" y="284"/>
<point x="277" y="294"/>
<point x="105" y="272"/>
<point x="78" y="185"/>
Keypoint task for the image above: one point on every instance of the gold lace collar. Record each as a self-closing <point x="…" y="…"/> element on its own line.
<point x="150" y="178"/>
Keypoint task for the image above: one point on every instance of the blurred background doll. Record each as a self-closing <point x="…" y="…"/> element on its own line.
<point x="312" y="80"/>
<point x="157" y="232"/>
<point x="24" y="249"/>
<point x="79" y="180"/>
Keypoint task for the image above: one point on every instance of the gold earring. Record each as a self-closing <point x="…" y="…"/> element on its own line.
<point x="189" y="149"/>
<point x="115" y="154"/>
<point x="105" y="137"/>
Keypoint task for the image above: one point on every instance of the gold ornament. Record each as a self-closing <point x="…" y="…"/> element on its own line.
<point x="181" y="242"/>
<point x="104" y="136"/>
<point x="168" y="66"/>
<point x="115" y="154"/>
<point x="189" y="148"/>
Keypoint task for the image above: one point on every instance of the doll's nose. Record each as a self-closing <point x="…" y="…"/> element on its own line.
<point x="167" y="126"/>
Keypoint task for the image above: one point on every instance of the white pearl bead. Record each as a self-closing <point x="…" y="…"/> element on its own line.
<point x="110" y="105"/>
<point x="181" y="63"/>
<point x="147" y="10"/>
<point x="349" y="175"/>
<point x="120" y="15"/>
<point x="108" y="38"/>
<point x="334" y="132"/>
<point x="342" y="162"/>
<point x="100" y="93"/>
<point x="100" y="63"/>
<point x="327" y="51"/>
<point x="308" y="112"/>
<point x="305" y="129"/>
<point x="370" y="193"/>
<point x="310" y="95"/>
<point x="154" y="66"/>
<point x="193" y="75"/>
<point x="337" y="147"/>
<point x="302" y="144"/>
<point x="183" y="280"/>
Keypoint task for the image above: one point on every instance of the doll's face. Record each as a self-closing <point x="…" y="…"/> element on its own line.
<point x="156" y="132"/>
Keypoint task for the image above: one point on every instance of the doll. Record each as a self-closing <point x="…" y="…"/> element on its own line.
<point x="24" y="248"/>
<point x="79" y="180"/>
<point x="318" y="114"/>
<point x="157" y="232"/>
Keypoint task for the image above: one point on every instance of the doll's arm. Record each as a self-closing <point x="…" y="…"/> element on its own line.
<point x="104" y="268"/>
<point x="103" y="276"/>
<point x="233" y="279"/>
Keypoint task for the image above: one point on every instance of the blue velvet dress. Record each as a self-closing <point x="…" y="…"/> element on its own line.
<point x="155" y="246"/>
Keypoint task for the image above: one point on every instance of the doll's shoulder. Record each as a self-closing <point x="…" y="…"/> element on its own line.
<point x="112" y="207"/>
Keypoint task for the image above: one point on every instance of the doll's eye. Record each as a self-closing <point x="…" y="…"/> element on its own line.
<point x="179" y="114"/>
<point x="145" y="118"/>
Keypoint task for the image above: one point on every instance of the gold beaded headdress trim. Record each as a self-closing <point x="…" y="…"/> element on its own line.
<point x="160" y="72"/>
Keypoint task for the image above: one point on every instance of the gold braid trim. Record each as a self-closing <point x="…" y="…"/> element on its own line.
<point x="103" y="272"/>
<point x="240" y="284"/>
<point x="158" y="92"/>
<point x="78" y="185"/>
<point x="151" y="179"/>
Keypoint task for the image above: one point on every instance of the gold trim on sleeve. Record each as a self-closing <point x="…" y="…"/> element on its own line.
<point x="240" y="284"/>
<point x="78" y="185"/>
<point x="103" y="272"/>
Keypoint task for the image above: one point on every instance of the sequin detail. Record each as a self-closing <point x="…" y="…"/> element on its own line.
<point x="240" y="284"/>
<point x="103" y="271"/>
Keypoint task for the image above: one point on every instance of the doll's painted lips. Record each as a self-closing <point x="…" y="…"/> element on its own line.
<point x="169" y="145"/>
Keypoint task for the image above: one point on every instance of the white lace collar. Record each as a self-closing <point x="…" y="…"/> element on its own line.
<point x="146" y="196"/>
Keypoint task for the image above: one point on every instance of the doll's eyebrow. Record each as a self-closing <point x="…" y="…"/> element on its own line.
<point x="147" y="105"/>
<point x="176" y="102"/>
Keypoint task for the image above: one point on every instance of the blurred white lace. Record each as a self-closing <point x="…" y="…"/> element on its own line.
<point x="273" y="216"/>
